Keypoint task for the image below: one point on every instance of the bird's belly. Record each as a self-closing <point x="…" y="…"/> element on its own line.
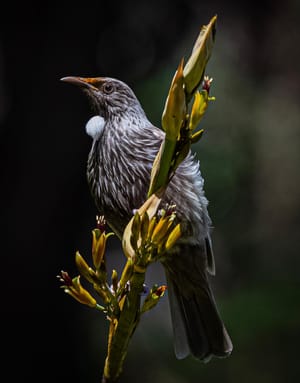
<point x="117" y="200"/>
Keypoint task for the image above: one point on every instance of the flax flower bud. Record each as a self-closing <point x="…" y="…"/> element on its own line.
<point x="84" y="269"/>
<point x="173" y="237"/>
<point x="196" y="136"/>
<point x="135" y="231"/>
<point x="79" y="293"/>
<point x="198" y="108"/>
<point x="175" y="108"/>
<point x="144" y="227"/>
<point x="99" y="246"/>
<point x="114" y="280"/>
<point x="161" y="229"/>
<point x="194" y="69"/>
<point x="153" y="297"/>
<point x="150" y="206"/>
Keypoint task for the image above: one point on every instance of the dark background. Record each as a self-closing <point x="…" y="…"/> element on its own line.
<point x="250" y="157"/>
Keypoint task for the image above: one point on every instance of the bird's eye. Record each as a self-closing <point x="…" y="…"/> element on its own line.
<point x="108" y="88"/>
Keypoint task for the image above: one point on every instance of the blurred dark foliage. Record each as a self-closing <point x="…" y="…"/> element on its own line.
<point x="250" y="157"/>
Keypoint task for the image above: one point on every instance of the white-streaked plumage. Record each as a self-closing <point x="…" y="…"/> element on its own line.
<point x="124" y="147"/>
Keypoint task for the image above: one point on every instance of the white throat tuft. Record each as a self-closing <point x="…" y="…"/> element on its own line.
<point x="94" y="127"/>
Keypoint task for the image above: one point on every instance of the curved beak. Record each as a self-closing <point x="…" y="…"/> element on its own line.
<point x="83" y="82"/>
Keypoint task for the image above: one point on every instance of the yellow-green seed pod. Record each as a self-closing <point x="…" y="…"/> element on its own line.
<point x="195" y="111"/>
<point x="153" y="297"/>
<point x="95" y="236"/>
<point x="196" y="136"/>
<point x="114" y="280"/>
<point x="127" y="273"/>
<point x="160" y="230"/>
<point x="134" y="241"/>
<point x="84" y="268"/>
<point x="151" y="227"/>
<point x="99" y="251"/>
<point x="198" y="109"/>
<point x="151" y="206"/>
<point x="136" y="224"/>
<point x="144" y="227"/>
<point x="79" y="293"/>
<point x="135" y="231"/>
<point x="173" y="237"/>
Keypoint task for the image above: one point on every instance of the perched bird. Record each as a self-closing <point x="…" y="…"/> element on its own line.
<point x="124" y="146"/>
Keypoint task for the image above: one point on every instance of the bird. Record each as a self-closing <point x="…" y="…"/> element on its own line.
<point x="124" y="146"/>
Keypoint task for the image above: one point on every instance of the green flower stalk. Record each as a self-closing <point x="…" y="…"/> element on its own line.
<point x="176" y="122"/>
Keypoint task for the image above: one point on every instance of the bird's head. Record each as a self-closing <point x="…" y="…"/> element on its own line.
<point x="109" y="97"/>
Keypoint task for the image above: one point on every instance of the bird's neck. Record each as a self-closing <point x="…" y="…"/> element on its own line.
<point x="128" y="132"/>
<point x="128" y="139"/>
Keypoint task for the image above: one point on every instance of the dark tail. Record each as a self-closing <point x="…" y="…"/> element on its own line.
<point x="197" y="326"/>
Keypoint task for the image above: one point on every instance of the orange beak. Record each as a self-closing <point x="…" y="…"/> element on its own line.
<point x="84" y="82"/>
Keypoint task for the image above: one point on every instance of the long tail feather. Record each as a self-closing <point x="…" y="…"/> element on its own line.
<point x="197" y="326"/>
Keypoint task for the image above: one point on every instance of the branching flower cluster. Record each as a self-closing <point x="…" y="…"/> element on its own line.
<point x="150" y="239"/>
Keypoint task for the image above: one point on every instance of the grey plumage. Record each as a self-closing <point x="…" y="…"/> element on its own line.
<point x="118" y="173"/>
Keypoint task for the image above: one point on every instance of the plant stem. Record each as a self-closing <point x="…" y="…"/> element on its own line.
<point x="162" y="169"/>
<point x="121" y="332"/>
